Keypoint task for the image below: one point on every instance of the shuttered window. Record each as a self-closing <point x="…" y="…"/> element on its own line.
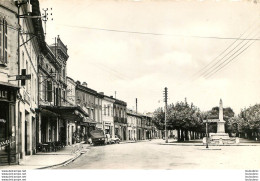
<point x="3" y="41"/>
<point x="49" y="91"/>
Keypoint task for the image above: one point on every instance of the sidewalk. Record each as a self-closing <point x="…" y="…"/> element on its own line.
<point x="198" y="142"/>
<point x="44" y="160"/>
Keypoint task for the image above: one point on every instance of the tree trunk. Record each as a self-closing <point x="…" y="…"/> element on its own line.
<point x="182" y="135"/>
<point x="186" y="135"/>
<point x="179" y="135"/>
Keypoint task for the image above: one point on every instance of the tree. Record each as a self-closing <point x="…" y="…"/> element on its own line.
<point x="182" y="117"/>
<point x="250" y="121"/>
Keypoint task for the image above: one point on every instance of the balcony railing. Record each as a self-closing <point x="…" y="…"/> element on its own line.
<point x="120" y="120"/>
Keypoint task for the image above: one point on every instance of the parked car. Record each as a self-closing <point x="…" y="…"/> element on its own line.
<point x="116" y="139"/>
<point x="98" y="137"/>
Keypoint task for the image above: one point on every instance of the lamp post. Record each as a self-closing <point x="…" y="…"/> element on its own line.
<point x="165" y="100"/>
<point x="207" y="144"/>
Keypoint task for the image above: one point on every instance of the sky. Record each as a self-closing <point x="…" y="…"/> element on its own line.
<point x="180" y="41"/>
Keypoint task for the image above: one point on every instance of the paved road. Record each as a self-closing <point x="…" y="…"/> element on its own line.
<point x="153" y="155"/>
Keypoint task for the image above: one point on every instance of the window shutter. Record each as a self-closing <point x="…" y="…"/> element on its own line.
<point x="5" y="40"/>
<point x="49" y="91"/>
<point x="1" y="41"/>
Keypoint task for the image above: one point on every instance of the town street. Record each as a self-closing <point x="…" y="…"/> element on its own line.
<point x="154" y="155"/>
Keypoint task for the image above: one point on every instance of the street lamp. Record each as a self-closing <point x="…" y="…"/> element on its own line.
<point x="207" y="144"/>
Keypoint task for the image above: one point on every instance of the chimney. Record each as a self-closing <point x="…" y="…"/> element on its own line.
<point x="85" y="84"/>
<point x="111" y="96"/>
<point x="102" y="93"/>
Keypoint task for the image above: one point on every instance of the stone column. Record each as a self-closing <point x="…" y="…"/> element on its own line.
<point x="221" y="123"/>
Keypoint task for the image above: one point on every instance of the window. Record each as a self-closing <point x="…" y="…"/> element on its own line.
<point x="49" y="91"/>
<point x="105" y="110"/>
<point x="3" y="42"/>
<point x="64" y="96"/>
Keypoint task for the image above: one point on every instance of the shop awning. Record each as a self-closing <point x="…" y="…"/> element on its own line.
<point x="86" y="121"/>
<point x="7" y="84"/>
<point x="66" y="112"/>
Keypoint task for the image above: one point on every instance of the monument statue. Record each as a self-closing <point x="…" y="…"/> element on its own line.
<point x="220" y="136"/>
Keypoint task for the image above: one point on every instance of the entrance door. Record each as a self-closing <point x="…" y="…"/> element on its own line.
<point x="4" y="126"/>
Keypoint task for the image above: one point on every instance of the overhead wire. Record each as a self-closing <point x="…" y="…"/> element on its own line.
<point x="157" y="34"/>
<point x="229" y="46"/>
<point x="231" y="59"/>
<point x="220" y="62"/>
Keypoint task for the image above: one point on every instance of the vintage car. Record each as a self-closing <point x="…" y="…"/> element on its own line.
<point x="116" y="139"/>
<point x="98" y="137"/>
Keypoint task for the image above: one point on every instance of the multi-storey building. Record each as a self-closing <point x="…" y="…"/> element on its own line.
<point x="120" y="119"/>
<point x="86" y="99"/>
<point x="132" y="120"/>
<point x="108" y="115"/>
<point x="9" y="152"/>
<point x="57" y="116"/>
<point x="139" y="129"/>
<point x="147" y="127"/>
<point x="19" y="52"/>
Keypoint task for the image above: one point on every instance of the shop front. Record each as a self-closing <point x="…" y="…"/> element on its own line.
<point x="8" y="139"/>
<point x="109" y="128"/>
<point x="87" y="125"/>
<point x="61" y="124"/>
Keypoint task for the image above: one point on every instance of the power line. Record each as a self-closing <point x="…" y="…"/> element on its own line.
<point x="216" y="58"/>
<point x="231" y="59"/>
<point x="157" y="34"/>
<point x="217" y="64"/>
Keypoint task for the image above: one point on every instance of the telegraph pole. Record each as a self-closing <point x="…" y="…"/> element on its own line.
<point x="45" y="18"/>
<point x="165" y="100"/>
<point x="136" y="105"/>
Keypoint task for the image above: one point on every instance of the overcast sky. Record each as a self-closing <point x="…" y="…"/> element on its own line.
<point x="141" y="65"/>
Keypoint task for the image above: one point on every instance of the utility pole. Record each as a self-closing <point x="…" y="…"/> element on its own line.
<point x="136" y="104"/>
<point x="115" y="94"/>
<point x="45" y="18"/>
<point x="165" y="100"/>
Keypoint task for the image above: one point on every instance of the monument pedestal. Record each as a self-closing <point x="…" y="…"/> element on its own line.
<point x="217" y="136"/>
<point x="220" y="136"/>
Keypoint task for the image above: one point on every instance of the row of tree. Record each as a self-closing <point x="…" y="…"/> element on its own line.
<point x="187" y="119"/>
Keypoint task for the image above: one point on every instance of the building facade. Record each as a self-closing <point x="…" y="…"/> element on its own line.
<point x="86" y="99"/>
<point x="120" y="119"/>
<point x="108" y="115"/>
<point x="132" y="119"/>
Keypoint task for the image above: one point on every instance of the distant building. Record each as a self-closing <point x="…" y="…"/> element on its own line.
<point x="120" y="119"/>
<point x="108" y="115"/>
<point x="132" y="122"/>
<point x="88" y="100"/>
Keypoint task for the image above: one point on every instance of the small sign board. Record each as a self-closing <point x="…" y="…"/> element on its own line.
<point x="2" y="121"/>
<point x="23" y="77"/>
<point x="210" y="120"/>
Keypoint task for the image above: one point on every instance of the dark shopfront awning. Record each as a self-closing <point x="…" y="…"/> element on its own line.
<point x="88" y="122"/>
<point x="66" y="112"/>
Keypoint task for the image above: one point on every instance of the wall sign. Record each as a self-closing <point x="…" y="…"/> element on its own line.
<point x="2" y="121"/>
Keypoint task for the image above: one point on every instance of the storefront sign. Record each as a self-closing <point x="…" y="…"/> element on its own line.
<point x="2" y="121"/>
<point x="6" y="142"/>
<point x="107" y="123"/>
